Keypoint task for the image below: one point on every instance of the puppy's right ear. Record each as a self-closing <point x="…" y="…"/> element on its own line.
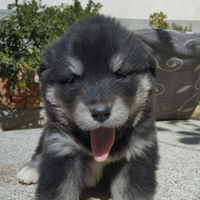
<point x="42" y="67"/>
<point x="152" y="66"/>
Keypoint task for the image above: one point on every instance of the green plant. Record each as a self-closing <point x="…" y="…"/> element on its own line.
<point x="32" y="26"/>
<point x="181" y="28"/>
<point x="156" y="20"/>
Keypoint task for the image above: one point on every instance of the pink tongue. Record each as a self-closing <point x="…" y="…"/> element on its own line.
<point x="102" y="140"/>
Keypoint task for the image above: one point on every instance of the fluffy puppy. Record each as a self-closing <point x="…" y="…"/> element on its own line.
<point x="97" y="83"/>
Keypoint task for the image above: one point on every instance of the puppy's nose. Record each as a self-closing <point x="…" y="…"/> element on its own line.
<point x="101" y="114"/>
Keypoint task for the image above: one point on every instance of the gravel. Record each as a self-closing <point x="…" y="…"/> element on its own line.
<point x="178" y="174"/>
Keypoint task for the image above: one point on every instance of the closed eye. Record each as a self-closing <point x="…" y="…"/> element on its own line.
<point x="70" y="80"/>
<point x="73" y="79"/>
<point x="120" y="75"/>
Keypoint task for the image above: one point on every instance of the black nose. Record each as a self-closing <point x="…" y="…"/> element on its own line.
<point x="101" y="114"/>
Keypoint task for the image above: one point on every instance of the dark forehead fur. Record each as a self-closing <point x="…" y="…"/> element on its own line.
<point x="94" y="41"/>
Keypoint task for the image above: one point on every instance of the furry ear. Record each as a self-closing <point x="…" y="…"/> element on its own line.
<point x="152" y="65"/>
<point x="42" y="67"/>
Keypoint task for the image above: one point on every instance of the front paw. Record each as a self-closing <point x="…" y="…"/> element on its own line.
<point x="28" y="175"/>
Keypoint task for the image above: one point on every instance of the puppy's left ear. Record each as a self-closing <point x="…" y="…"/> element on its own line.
<point x="42" y="67"/>
<point x="152" y="66"/>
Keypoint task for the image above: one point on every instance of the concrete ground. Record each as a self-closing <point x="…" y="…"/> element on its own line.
<point x="179" y="169"/>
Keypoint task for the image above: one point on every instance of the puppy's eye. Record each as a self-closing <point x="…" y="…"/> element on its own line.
<point x="73" y="79"/>
<point x="120" y="75"/>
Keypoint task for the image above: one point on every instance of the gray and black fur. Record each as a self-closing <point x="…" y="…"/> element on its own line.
<point x="96" y="67"/>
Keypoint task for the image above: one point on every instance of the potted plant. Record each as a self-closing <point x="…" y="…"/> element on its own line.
<point x="176" y="54"/>
<point x="23" y="36"/>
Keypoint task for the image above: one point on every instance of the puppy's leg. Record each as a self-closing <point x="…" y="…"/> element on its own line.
<point x="61" y="178"/>
<point x="29" y="173"/>
<point x="136" y="180"/>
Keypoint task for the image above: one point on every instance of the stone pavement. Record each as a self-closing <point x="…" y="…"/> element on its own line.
<point x="179" y="169"/>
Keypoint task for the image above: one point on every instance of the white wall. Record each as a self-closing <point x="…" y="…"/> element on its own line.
<point x="137" y="9"/>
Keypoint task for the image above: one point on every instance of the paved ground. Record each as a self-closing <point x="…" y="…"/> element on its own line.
<point x="178" y="174"/>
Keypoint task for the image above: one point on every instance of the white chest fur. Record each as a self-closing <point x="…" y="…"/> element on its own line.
<point x="94" y="172"/>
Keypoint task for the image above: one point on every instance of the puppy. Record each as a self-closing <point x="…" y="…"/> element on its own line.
<point x="97" y="83"/>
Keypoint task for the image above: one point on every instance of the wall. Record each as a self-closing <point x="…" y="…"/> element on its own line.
<point x="133" y="24"/>
<point x="129" y="9"/>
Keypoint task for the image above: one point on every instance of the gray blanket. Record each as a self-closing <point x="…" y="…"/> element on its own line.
<point x="177" y="58"/>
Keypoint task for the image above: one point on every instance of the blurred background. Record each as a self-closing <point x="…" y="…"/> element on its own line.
<point x="135" y="14"/>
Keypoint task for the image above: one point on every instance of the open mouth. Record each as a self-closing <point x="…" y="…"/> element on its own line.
<point x="102" y="140"/>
